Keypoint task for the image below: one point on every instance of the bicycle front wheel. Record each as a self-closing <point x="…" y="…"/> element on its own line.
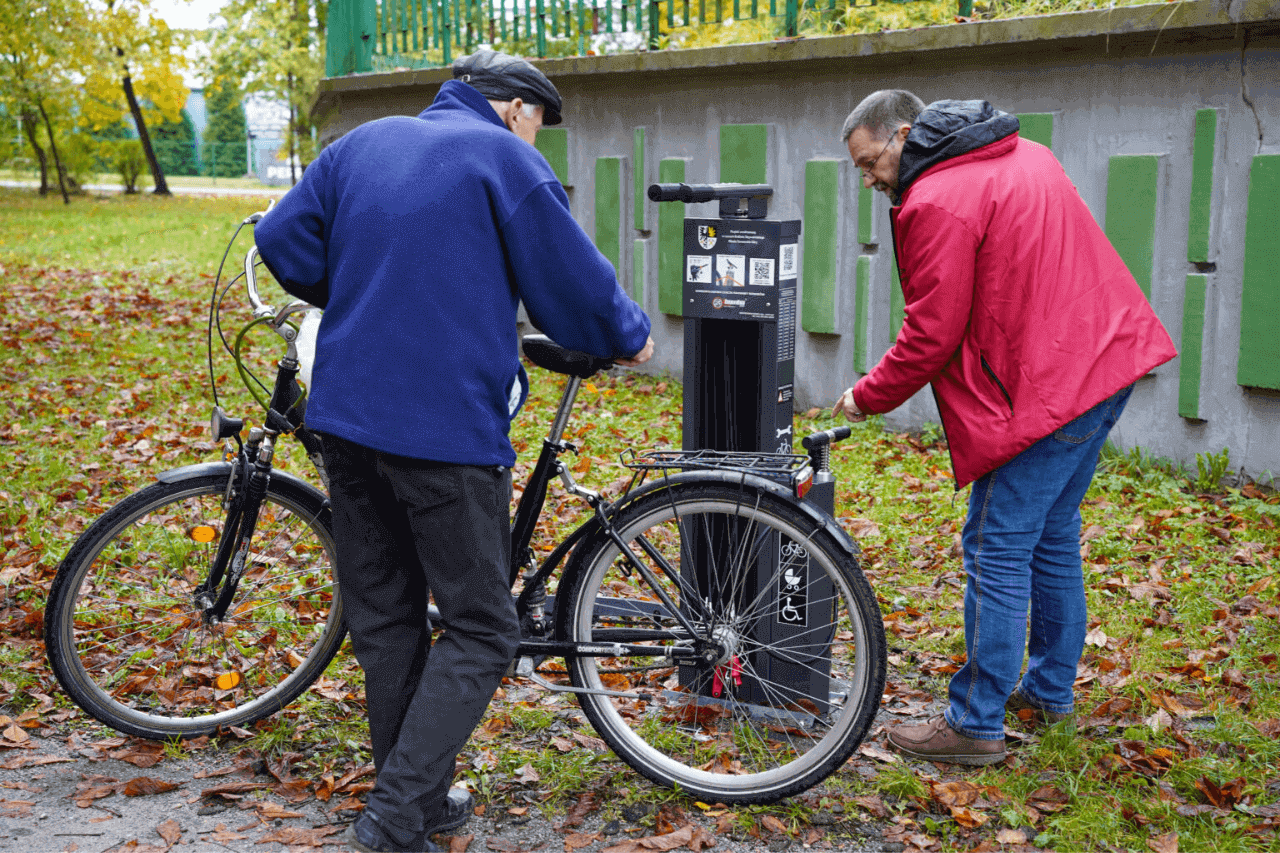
<point x="129" y="641"/>
<point x="791" y="662"/>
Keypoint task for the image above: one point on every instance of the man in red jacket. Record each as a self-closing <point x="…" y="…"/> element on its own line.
<point x="1032" y="332"/>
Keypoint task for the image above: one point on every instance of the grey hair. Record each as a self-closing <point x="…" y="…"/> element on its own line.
<point x="882" y="113"/>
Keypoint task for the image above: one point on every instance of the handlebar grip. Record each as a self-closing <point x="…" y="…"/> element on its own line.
<point x="830" y="436"/>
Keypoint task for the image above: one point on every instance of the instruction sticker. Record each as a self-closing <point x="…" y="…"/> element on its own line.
<point x="730" y="271"/>
<point x="697" y="269"/>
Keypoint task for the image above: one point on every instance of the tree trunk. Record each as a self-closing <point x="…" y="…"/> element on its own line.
<point x="162" y="186"/>
<point x="53" y="146"/>
<point x="29" y="125"/>
<point x="293" y="134"/>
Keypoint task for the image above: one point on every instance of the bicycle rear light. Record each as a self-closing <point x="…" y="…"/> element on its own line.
<point x="803" y="481"/>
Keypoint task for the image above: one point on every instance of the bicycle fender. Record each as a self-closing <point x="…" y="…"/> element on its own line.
<point x="223" y="469"/>
<point x="737" y="478"/>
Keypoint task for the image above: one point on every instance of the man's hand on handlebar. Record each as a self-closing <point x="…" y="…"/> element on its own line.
<point x="847" y="407"/>
<point x="639" y="358"/>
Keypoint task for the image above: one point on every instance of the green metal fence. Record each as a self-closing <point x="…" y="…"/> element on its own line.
<point x="379" y="35"/>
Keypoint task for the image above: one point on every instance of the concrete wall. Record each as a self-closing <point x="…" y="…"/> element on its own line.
<point x="1193" y="84"/>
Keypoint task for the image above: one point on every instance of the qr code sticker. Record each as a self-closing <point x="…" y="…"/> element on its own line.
<point x="761" y="272"/>
<point x="787" y="265"/>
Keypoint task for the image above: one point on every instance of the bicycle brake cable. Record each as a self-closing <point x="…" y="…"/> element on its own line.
<point x="214" y="303"/>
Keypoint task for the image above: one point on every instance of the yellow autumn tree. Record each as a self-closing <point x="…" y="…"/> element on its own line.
<point x="38" y="73"/>
<point x="135" y="68"/>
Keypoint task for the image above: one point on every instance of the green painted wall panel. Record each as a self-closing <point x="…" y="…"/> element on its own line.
<point x="1191" y="351"/>
<point x="821" y="237"/>
<point x="862" y="296"/>
<point x="897" y="304"/>
<point x="1259" y="365"/>
<point x="866" y="208"/>
<point x="553" y="142"/>
<point x="1131" y="212"/>
<point x="638" y="272"/>
<point x="671" y="243"/>
<point x="744" y="153"/>
<point x="609" y="209"/>
<point x="639" y="188"/>
<point x="1201" y="185"/>
<point x="1038" y="127"/>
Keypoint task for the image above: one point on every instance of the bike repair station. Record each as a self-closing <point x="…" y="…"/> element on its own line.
<point x="739" y="304"/>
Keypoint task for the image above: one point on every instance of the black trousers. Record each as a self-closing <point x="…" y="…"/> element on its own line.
<point x="406" y="528"/>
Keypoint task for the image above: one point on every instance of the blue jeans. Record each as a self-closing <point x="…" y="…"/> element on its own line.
<point x="1022" y="552"/>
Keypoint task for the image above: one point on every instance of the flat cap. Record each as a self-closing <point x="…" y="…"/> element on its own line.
<point x="500" y="77"/>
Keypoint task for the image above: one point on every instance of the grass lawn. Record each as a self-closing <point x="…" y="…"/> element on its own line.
<point x="102" y="359"/>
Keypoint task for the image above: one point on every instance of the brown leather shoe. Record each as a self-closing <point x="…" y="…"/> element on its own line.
<point x="1018" y="702"/>
<point x="937" y="741"/>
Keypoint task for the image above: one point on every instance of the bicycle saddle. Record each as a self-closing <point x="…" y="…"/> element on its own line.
<point x="548" y="354"/>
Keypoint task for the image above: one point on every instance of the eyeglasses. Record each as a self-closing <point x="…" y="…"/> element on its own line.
<point x="865" y="169"/>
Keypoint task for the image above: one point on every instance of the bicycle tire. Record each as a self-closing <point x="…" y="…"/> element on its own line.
<point x="129" y="644"/>
<point x="774" y="737"/>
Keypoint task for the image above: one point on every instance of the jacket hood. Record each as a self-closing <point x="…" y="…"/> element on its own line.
<point x="947" y="129"/>
<point x="456" y="95"/>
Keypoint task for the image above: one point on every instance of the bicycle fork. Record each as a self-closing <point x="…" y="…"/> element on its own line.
<point x="247" y="489"/>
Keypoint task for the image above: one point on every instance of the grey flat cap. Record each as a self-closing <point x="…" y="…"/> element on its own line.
<point x="500" y="77"/>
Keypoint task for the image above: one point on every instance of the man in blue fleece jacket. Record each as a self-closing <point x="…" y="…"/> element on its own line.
<point x="418" y="236"/>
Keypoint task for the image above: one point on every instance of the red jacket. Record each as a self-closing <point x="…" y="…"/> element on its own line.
<point x="1018" y="309"/>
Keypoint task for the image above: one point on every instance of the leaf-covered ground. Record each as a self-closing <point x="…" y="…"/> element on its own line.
<point x="102" y="367"/>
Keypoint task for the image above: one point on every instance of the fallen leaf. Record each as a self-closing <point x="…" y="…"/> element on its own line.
<point x="870" y="750"/>
<point x="689" y="834"/>
<point x="585" y="805"/>
<point x="574" y="840"/>
<point x="873" y="804"/>
<point x="968" y="818"/>
<point x="527" y="775"/>
<point x="144" y="786"/>
<point x="170" y="831"/>
<point x="1167" y="843"/>
<point x="293" y="835"/>
<point x="1011" y="836"/>
<point x="774" y="825"/>
<point x="460" y="843"/>
<point x="1096" y="637"/>
<point x="273" y="811"/>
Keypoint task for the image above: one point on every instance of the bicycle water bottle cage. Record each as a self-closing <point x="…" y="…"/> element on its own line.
<point x="549" y="355"/>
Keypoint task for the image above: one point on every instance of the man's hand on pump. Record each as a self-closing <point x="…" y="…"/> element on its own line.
<point x="847" y="407"/>
<point x="640" y="357"/>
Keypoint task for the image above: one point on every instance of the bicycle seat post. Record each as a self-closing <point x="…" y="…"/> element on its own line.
<point x="561" y="421"/>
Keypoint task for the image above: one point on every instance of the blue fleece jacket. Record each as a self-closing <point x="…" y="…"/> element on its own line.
<point x="418" y="236"/>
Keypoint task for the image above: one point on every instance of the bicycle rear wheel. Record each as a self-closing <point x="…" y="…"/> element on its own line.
<point x="129" y="642"/>
<point x="777" y="601"/>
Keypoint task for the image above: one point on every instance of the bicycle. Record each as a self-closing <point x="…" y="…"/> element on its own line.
<point x="674" y="608"/>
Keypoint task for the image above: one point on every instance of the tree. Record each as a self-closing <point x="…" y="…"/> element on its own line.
<point x="226" y="135"/>
<point x="38" y="41"/>
<point x="175" y="143"/>
<point x="140" y="58"/>
<point x="275" y="48"/>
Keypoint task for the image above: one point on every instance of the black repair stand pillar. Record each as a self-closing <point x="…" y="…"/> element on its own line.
<point x="740" y="275"/>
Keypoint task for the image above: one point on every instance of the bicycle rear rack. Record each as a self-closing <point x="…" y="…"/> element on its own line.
<point x="773" y="466"/>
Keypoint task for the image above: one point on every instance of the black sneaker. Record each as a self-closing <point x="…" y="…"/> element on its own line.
<point x="367" y="835"/>
<point x="457" y="808"/>
<point x="371" y="835"/>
